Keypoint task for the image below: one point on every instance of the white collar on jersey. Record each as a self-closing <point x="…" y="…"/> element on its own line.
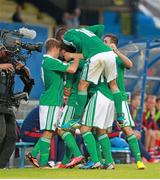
<point x="46" y="55"/>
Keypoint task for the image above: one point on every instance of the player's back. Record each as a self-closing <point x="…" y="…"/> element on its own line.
<point x="86" y="42"/>
<point x="52" y="76"/>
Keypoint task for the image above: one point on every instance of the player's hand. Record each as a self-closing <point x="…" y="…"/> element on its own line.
<point x="67" y="91"/>
<point x="7" y="66"/>
<point x="67" y="56"/>
<point x="114" y="47"/>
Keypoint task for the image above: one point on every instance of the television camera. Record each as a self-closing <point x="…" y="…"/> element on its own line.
<point x="17" y="52"/>
<point x="11" y="42"/>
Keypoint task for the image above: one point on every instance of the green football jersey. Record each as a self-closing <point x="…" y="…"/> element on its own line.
<point x="86" y="41"/>
<point x="102" y="87"/>
<point x="52" y="75"/>
<point x="120" y="79"/>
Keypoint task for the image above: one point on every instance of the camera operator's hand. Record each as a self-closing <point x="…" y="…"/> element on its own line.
<point x="19" y="66"/>
<point x="4" y="53"/>
<point x="7" y="66"/>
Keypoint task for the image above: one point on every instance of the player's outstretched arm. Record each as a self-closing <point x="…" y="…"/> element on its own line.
<point x="128" y="63"/>
<point x="69" y="56"/>
<point x="73" y="67"/>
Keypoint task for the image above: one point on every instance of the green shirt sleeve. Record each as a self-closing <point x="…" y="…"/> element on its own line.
<point x="98" y="30"/>
<point x="81" y="64"/>
<point x="55" y="65"/>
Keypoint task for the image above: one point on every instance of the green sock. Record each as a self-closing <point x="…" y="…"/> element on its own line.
<point x="133" y="144"/>
<point x="81" y="102"/>
<point x="67" y="156"/>
<point x="90" y="144"/>
<point x="36" y="149"/>
<point x="70" y="142"/>
<point x="118" y="101"/>
<point x="106" y="148"/>
<point x="44" y="150"/>
<point x="99" y="151"/>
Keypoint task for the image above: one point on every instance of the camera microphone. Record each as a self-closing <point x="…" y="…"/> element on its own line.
<point x="27" y="33"/>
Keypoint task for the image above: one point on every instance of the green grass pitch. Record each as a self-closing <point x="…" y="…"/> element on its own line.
<point x="122" y="171"/>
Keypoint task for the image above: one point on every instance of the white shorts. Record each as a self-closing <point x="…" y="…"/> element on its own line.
<point x="67" y="114"/>
<point x="128" y="121"/>
<point x="99" y="112"/>
<point x="49" y="117"/>
<point x="102" y="63"/>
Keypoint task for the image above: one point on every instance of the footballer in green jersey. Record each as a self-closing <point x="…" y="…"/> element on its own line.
<point x="51" y="99"/>
<point x="72" y="81"/>
<point x="122" y="63"/>
<point x="71" y="147"/>
<point x="52" y="75"/>
<point x="97" y="119"/>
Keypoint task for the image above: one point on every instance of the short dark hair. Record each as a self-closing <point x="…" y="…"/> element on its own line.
<point x="59" y="32"/>
<point x="68" y="48"/>
<point x="51" y="43"/>
<point x="113" y="37"/>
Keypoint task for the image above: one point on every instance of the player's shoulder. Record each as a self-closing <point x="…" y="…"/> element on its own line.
<point x="73" y="30"/>
<point x="47" y="57"/>
<point x="47" y="60"/>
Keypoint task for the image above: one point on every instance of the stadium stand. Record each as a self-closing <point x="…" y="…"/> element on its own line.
<point x="30" y="14"/>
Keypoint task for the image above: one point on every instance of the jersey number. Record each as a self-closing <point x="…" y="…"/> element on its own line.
<point x="85" y="31"/>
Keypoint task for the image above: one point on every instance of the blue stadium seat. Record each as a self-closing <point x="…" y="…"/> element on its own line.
<point x="121" y="155"/>
<point x="22" y="146"/>
<point x="116" y="149"/>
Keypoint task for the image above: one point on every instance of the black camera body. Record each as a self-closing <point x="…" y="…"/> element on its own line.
<point x="7" y="96"/>
<point x="11" y="41"/>
<point x="12" y="44"/>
